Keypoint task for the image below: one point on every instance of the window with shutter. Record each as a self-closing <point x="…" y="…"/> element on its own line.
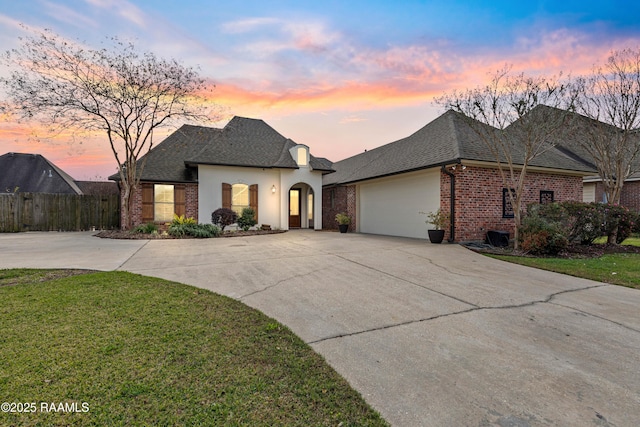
<point x="226" y="195"/>
<point x="180" y="200"/>
<point x="147" y="203"/>
<point x="253" y="200"/>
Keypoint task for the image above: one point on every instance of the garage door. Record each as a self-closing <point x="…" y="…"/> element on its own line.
<point x="391" y="205"/>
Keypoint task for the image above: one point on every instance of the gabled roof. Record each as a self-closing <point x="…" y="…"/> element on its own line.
<point x="98" y="188"/>
<point x="242" y="142"/>
<point x="447" y="139"/>
<point x="33" y="173"/>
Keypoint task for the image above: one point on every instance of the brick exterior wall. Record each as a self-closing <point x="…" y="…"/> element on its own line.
<point x="191" y="204"/>
<point x="479" y="198"/>
<point x="191" y="201"/>
<point x="630" y="196"/>
<point x="336" y="200"/>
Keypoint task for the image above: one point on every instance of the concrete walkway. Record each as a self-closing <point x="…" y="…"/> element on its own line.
<point x="431" y="335"/>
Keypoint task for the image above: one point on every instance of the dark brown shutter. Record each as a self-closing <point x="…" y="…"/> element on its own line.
<point x="253" y="199"/>
<point x="147" y="203"/>
<point x="179" y="200"/>
<point x="226" y="195"/>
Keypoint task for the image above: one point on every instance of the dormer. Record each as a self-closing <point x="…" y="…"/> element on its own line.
<point x="300" y="154"/>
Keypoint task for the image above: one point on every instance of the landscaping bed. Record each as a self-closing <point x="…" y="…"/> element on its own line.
<point x="121" y="234"/>
<point x="572" y="251"/>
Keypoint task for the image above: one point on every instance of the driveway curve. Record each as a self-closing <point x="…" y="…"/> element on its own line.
<point x="431" y="335"/>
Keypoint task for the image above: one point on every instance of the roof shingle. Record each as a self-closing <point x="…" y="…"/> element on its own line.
<point x="447" y="139"/>
<point x="242" y="142"/>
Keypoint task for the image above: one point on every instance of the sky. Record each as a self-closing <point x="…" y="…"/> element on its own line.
<point x="339" y="76"/>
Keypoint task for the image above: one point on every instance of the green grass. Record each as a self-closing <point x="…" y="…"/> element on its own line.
<point x="617" y="269"/>
<point x="631" y="241"/>
<point x="144" y="351"/>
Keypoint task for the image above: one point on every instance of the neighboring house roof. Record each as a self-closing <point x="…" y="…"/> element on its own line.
<point x="98" y="188"/>
<point x="33" y="173"/>
<point x="242" y="142"/>
<point x="447" y="139"/>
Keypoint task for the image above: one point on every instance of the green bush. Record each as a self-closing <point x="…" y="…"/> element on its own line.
<point x="586" y="221"/>
<point x="540" y="235"/>
<point x="619" y="221"/>
<point x="194" y="230"/>
<point x="148" y="228"/>
<point x="247" y="219"/>
<point x="577" y="221"/>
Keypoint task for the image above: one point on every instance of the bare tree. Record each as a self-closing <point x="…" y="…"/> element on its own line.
<point x="509" y="118"/>
<point x="116" y="92"/>
<point x="610" y="98"/>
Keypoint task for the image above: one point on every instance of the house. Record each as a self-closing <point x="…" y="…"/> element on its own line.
<point x="197" y="170"/>
<point x="629" y="197"/>
<point x="33" y="173"/>
<point x="443" y="165"/>
<point x="98" y="188"/>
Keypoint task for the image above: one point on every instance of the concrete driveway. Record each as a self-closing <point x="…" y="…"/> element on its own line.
<point x="431" y="335"/>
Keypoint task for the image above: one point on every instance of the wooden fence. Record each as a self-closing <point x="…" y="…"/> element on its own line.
<point x="58" y="212"/>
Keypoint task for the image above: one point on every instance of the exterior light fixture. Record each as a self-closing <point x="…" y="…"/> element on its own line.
<point x="273" y="189"/>
<point x="453" y="168"/>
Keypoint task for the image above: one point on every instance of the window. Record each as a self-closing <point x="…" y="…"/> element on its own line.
<point x="163" y="203"/>
<point x="507" y="207"/>
<point x="546" y="197"/>
<point x="239" y="197"/>
<point x="302" y="156"/>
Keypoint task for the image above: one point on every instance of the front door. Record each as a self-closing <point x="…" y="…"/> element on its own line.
<point x="294" y="208"/>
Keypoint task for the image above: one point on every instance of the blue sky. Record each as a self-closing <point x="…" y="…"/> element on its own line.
<point x="339" y="76"/>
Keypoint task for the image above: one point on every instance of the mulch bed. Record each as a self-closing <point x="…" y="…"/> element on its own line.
<point x="573" y="251"/>
<point x="129" y="235"/>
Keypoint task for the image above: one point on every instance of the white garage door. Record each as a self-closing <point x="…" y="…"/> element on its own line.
<point x="391" y="206"/>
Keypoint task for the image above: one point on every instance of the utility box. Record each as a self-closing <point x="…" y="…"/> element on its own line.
<point x="498" y="238"/>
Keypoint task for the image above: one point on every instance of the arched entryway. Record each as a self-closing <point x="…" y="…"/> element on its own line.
<point x="301" y="206"/>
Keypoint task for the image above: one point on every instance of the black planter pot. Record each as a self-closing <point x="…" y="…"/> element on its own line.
<point x="343" y="227"/>
<point x="436" y="236"/>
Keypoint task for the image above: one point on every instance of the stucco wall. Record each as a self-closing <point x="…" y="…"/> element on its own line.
<point x="211" y="178"/>
<point x="313" y="179"/>
<point x="273" y="208"/>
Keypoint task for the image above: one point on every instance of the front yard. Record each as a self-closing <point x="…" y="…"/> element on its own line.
<point x="615" y="268"/>
<point x="122" y="349"/>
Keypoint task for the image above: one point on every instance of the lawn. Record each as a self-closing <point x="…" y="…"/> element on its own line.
<point x="125" y="350"/>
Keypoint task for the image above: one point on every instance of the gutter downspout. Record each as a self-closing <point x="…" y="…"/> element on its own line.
<point x="452" y="213"/>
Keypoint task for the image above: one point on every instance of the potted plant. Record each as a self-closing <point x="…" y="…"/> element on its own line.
<point x="439" y="220"/>
<point x="343" y="221"/>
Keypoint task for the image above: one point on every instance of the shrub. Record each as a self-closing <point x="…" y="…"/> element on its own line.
<point x="343" y="219"/>
<point x="247" y="219"/>
<point x="182" y="220"/>
<point x="223" y="217"/>
<point x="540" y="235"/>
<point x="619" y="222"/>
<point x="586" y="221"/>
<point x="148" y="228"/>
<point x="194" y="230"/>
